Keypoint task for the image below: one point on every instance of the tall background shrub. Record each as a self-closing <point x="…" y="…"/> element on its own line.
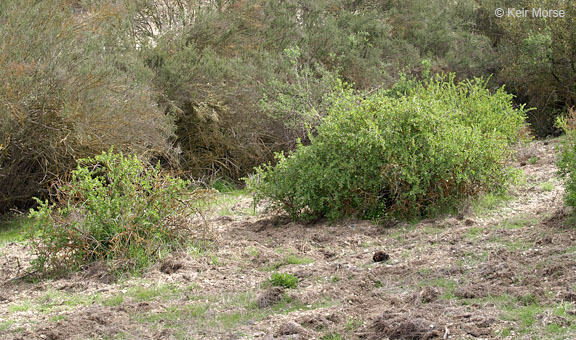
<point x="71" y="87"/>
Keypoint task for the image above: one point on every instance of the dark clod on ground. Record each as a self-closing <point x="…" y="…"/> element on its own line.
<point x="170" y="266"/>
<point x="380" y="256"/>
<point x="270" y="297"/>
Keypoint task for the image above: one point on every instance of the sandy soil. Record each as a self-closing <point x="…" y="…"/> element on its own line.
<point x="503" y="273"/>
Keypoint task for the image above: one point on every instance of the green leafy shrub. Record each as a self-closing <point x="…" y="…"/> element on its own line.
<point x="567" y="160"/>
<point x="284" y="280"/>
<point x="114" y="208"/>
<point x="377" y="154"/>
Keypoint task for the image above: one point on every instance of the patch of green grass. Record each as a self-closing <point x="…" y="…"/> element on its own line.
<point x="252" y="251"/>
<point x="512" y="245"/>
<point x="283" y="280"/>
<point x="517" y="223"/>
<point x="569" y="250"/>
<point x="116" y="300"/>
<point x="293" y="259"/>
<point x="287" y="260"/>
<point x="223" y="185"/>
<point x="524" y="316"/>
<point x="472" y="257"/>
<point x="164" y="291"/>
<point x="547" y="186"/>
<point x="22" y="307"/>
<point x="176" y="313"/>
<point x="224" y="202"/>
<point x="214" y="259"/>
<point x="448" y="287"/>
<point x="524" y="312"/>
<point x="432" y="230"/>
<point x="353" y="324"/>
<point x="57" y="318"/>
<point x="5" y="325"/>
<point x="489" y="202"/>
<point x="533" y="160"/>
<point x="15" y="229"/>
<point x="473" y="233"/>
<point x="55" y="299"/>
<point x="333" y="336"/>
<point x="238" y="310"/>
<point x="400" y="233"/>
<point x="117" y="336"/>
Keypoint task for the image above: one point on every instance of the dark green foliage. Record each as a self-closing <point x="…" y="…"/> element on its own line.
<point x="114" y="208"/>
<point x="378" y="154"/>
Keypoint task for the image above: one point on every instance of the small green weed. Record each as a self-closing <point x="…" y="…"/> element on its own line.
<point x="293" y="259"/>
<point x="353" y="324"/>
<point x="57" y="318"/>
<point x="22" y="307"/>
<point x="284" y="280"/>
<point x="252" y="251"/>
<point x="547" y="186"/>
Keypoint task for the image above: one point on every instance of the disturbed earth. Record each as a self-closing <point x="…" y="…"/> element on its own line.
<point x="500" y="268"/>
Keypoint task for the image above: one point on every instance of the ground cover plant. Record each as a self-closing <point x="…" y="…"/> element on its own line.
<point x="382" y="154"/>
<point x="114" y="208"/>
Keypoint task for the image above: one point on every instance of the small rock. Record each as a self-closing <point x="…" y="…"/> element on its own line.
<point x="380" y="256"/>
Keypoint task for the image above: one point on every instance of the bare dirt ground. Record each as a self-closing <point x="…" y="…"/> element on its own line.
<point x="498" y="270"/>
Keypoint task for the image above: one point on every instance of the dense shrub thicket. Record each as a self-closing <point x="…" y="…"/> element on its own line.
<point x="114" y="208"/>
<point x="216" y="87"/>
<point x="381" y="154"/>
<point x="538" y="62"/>
<point x="71" y="87"/>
